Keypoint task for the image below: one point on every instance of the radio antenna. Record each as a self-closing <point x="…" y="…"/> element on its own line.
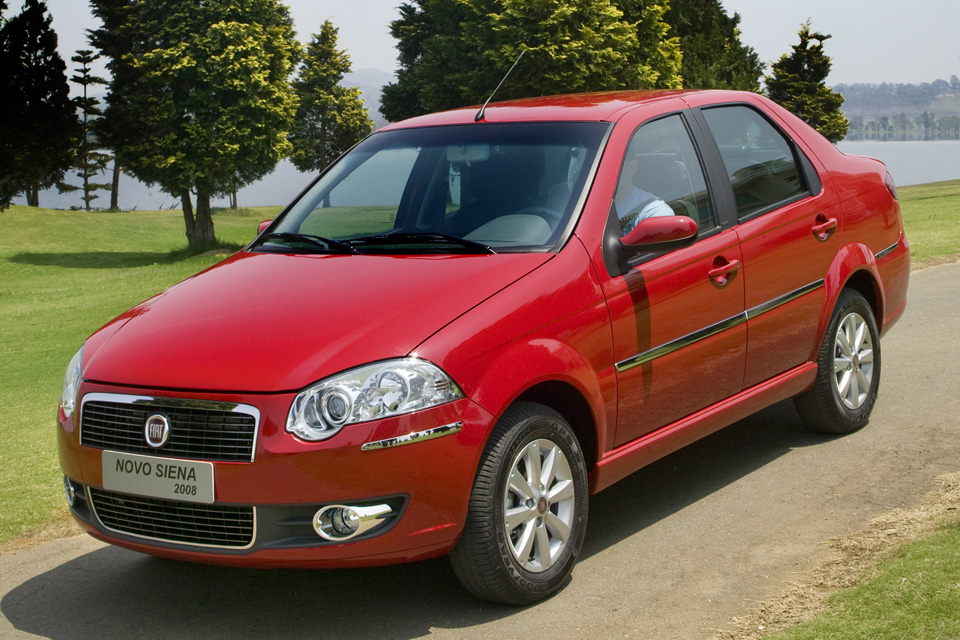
<point x="484" y="107"/>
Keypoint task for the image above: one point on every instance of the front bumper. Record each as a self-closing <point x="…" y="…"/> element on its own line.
<point x="426" y="481"/>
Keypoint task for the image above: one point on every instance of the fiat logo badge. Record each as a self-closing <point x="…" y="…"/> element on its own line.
<point x="156" y="430"/>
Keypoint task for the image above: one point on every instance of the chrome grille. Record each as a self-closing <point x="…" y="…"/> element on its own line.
<point x="211" y="525"/>
<point x="217" y="432"/>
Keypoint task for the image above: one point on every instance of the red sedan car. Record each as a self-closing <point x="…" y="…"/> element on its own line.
<point x="473" y="321"/>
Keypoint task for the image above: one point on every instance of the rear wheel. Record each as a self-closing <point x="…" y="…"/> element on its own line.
<point x="848" y="375"/>
<point x="528" y="510"/>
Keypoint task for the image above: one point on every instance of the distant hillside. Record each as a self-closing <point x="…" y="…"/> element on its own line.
<point x="870" y="100"/>
<point x="925" y="111"/>
<point x="370" y="83"/>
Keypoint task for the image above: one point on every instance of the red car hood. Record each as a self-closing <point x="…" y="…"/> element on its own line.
<point x="271" y="322"/>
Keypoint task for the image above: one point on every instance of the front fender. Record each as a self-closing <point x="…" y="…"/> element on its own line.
<point x="550" y="326"/>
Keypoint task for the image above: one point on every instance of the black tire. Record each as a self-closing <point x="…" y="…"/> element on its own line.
<point x="824" y="408"/>
<point x="486" y="559"/>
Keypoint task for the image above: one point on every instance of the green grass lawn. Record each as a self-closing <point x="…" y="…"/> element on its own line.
<point x="64" y="274"/>
<point x="931" y="215"/>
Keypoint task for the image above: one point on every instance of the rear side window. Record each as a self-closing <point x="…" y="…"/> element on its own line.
<point x="758" y="159"/>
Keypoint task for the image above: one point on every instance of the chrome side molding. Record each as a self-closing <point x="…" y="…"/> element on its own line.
<point x="888" y="250"/>
<point x="714" y="329"/>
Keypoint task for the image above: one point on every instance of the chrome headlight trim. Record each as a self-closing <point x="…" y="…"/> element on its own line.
<point x="370" y="392"/>
<point x="410" y="438"/>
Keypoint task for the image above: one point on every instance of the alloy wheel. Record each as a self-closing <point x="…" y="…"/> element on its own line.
<point x="538" y="506"/>
<point x="853" y="361"/>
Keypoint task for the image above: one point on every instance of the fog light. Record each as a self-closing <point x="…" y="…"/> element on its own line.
<point x="338" y="522"/>
<point x="70" y="491"/>
<point x="345" y="521"/>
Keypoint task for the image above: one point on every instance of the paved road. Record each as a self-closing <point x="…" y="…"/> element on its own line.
<point x="672" y="552"/>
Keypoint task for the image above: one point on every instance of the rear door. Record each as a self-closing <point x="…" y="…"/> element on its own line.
<point x="788" y="233"/>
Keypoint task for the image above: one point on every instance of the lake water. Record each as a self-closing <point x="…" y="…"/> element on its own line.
<point x="912" y="162"/>
<point x="908" y="163"/>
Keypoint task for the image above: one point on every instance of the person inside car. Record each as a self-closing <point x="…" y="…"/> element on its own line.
<point x="633" y="203"/>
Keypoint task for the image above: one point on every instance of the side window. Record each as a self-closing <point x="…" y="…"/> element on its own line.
<point x="661" y="175"/>
<point x="758" y="159"/>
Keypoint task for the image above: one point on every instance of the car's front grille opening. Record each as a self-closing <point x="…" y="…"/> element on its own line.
<point x="183" y="522"/>
<point x="196" y="433"/>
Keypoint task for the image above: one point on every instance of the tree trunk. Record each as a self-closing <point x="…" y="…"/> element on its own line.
<point x="86" y="189"/>
<point x="233" y="199"/>
<point x="200" y="233"/>
<point x="187" y="207"/>
<point x="115" y="187"/>
<point x="33" y="196"/>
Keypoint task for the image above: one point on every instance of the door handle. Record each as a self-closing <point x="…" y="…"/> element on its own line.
<point x="824" y="228"/>
<point x="721" y="274"/>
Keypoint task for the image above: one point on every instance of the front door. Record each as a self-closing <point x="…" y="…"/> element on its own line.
<point x="677" y="319"/>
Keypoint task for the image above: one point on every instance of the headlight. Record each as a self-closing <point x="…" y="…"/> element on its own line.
<point x="371" y="392"/>
<point x="71" y="383"/>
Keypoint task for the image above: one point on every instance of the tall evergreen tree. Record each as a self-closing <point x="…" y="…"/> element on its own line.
<point x="89" y="161"/>
<point x="114" y="41"/>
<point x="798" y="83"/>
<point x="37" y="119"/>
<point x="658" y="48"/>
<point x="201" y="101"/>
<point x="454" y="52"/>
<point x="713" y="56"/>
<point x="401" y="100"/>
<point x="330" y="118"/>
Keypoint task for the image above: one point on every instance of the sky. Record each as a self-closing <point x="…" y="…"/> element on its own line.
<point x="873" y="41"/>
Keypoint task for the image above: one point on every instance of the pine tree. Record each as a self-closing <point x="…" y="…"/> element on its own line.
<point x="454" y="52"/>
<point x="401" y="99"/>
<point x="37" y="119"/>
<point x="88" y="160"/>
<point x="113" y="39"/>
<point x="713" y="56"/>
<point x="797" y="83"/>
<point x="330" y="118"/>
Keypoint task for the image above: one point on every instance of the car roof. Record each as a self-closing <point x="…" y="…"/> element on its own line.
<point x="581" y="107"/>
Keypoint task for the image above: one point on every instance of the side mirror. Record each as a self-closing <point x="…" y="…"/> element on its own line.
<point x="660" y="234"/>
<point x="263" y="226"/>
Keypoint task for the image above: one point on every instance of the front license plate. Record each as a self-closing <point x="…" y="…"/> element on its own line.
<point x="183" y="480"/>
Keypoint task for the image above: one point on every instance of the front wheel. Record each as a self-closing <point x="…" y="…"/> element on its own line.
<point x="528" y="509"/>
<point x="848" y="375"/>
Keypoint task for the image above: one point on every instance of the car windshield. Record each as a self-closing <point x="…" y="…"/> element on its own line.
<point x="481" y="188"/>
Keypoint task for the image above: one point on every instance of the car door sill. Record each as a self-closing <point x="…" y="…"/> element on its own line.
<point x="626" y="459"/>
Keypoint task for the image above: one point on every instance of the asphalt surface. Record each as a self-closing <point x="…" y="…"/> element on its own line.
<point x="672" y="552"/>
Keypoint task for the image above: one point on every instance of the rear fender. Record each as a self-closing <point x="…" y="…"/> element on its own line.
<point x="854" y="261"/>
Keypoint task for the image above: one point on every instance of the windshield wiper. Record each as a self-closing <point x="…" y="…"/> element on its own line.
<point x="319" y="242"/>
<point x="431" y="240"/>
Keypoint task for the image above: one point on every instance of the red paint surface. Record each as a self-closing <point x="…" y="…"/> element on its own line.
<point x="259" y="327"/>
